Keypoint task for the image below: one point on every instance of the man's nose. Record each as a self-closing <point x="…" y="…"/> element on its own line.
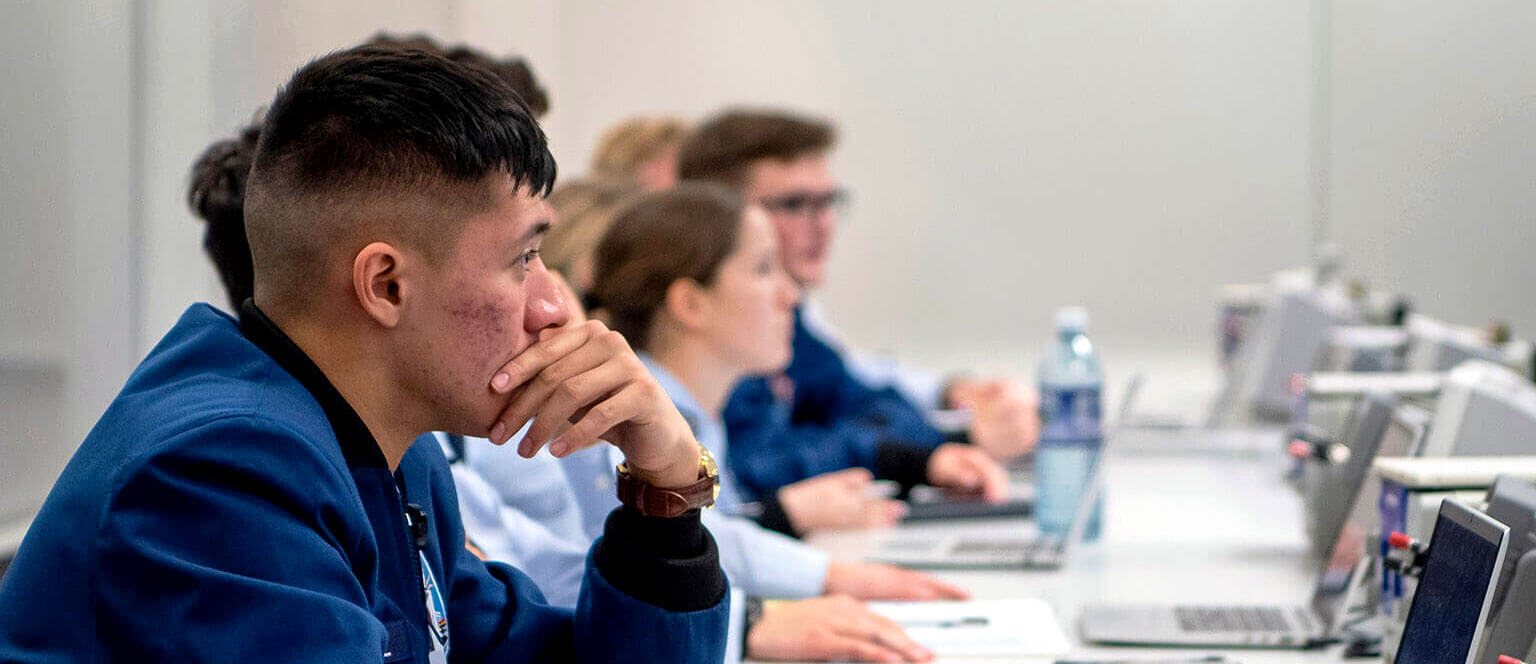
<point x="547" y="306"/>
<point x="823" y="219"/>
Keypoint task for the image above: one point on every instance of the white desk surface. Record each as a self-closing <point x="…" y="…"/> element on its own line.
<point x="1214" y="527"/>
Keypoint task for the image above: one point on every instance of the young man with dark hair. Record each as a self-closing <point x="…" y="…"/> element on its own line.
<point x="818" y="416"/>
<point x="253" y="494"/>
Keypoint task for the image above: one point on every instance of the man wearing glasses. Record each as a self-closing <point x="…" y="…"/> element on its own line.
<point x="818" y="416"/>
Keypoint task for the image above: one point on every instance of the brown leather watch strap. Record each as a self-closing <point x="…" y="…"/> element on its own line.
<point x="650" y="500"/>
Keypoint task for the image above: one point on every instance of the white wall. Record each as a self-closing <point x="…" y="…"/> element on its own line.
<point x="208" y="66"/>
<point x="1434" y="147"/>
<point x="67" y="224"/>
<point x="1005" y="158"/>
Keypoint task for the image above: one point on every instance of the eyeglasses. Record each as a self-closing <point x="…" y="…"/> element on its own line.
<point x="806" y="203"/>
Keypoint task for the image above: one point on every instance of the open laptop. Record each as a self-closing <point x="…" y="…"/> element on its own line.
<point x="1268" y="626"/>
<point x="1039" y="551"/>
<point x="933" y="504"/>
<point x="1455" y="592"/>
<point x="1330" y="487"/>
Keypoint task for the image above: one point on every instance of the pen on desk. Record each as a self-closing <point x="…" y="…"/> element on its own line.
<point x="969" y="621"/>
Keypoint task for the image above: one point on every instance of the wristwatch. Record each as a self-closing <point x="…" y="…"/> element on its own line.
<point x="651" y="500"/>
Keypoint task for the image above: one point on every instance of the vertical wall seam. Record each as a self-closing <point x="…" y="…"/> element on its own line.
<point x="1321" y="157"/>
<point x="137" y="231"/>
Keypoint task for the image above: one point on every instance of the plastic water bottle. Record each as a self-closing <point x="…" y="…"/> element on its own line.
<point x="1071" y="434"/>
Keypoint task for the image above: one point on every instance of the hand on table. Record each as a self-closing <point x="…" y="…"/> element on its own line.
<point x="967" y="468"/>
<point x="1005" y="418"/>
<point x="837" y="628"/>
<point x="837" y="500"/>
<point x="875" y="581"/>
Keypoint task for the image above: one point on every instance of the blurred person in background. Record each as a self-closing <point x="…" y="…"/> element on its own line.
<point x="690" y="275"/>
<point x="643" y="149"/>
<point x="817" y="416"/>
<point x="583" y="209"/>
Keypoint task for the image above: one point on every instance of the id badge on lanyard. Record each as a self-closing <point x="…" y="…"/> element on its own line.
<point x="437" y="614"/>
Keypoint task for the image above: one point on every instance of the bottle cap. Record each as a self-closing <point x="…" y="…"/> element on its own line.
<point x="1072" y="318"/>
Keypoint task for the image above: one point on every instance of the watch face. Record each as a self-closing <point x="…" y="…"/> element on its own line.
<point x="707" y="460"/>
<point x="712" y="471"/>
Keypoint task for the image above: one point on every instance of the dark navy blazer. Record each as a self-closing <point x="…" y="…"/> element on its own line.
<point x="213" y="515"/>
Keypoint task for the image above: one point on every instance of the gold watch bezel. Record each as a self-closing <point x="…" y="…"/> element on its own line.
<point x="707" y="468"/>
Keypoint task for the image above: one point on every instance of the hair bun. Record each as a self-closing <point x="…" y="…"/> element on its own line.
<point x="217" y="187"/>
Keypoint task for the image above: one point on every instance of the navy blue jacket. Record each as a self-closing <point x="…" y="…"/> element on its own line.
<point x="217" y="512"/>
<point x="820" y="419"/>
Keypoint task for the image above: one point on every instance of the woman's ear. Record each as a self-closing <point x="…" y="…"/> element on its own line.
<point x="378" y="281"/>
<point x="687" y="303"/>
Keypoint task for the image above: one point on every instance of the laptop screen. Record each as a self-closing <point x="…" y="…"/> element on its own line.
<point x="1395" y="439"/>
<point x="1452" y="598"/>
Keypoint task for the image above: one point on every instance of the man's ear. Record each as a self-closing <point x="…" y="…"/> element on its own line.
<point x="687" y="303"/>
<point x="378" y="273"/>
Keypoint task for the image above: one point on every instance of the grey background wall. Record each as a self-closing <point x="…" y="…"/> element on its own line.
<point x="1433" y="135"/>
<point x="1006" y="158"/>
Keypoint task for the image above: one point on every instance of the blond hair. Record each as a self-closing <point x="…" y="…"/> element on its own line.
<point x="584" y="208"/>
<point x="628" y="144"/>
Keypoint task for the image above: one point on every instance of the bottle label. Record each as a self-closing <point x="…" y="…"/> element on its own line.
<point x="1070" y="415"/>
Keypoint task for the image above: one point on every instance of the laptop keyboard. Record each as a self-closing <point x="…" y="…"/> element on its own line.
<point x="1232" y="619"/>
<point x="974" y="547"/>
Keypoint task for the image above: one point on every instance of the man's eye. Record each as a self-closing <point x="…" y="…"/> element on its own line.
<point x="527" y="258"/>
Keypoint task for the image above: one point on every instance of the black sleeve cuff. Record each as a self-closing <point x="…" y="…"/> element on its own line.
<point x="669" y="563"/>
<point x="903" y="463"/>
<point x="773" y="517"/>
<point x="962" y="436"/>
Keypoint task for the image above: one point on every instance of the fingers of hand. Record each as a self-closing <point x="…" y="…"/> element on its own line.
<point x="872" y="628"/>
<point x="854" y="477"/>
<point x="942" y="590"/>
<point x="587" y="391"/>
<point x="601" y="417"/>
<point x="835" y="647"/>
<point x="994" y="482"/>
<point x="882" y="513"/>
<point x="552" y="345"/>
<point x="534" y="394"/>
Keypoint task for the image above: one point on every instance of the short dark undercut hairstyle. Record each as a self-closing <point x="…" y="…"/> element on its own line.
<point x="388" y="130"/>
<point x="724" y="147"/>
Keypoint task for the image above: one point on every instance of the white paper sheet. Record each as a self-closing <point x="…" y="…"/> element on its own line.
<point x="984" y="628"/>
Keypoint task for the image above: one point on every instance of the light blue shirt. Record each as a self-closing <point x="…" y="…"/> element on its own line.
<point x="511" y="535"/>
<point x="761" y="562"/>
<point x="523" y="513"/>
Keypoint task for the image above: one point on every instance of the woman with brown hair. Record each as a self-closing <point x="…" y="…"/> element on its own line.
<point x="691" y="277"/>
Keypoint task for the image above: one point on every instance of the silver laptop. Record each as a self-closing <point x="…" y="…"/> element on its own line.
<point x="1036" y="551"/>
<point x="1271" y="626"/>
<point x="926" y="503"/>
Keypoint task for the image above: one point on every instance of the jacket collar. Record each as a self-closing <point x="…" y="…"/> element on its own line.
<point x="358" y="445"/>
